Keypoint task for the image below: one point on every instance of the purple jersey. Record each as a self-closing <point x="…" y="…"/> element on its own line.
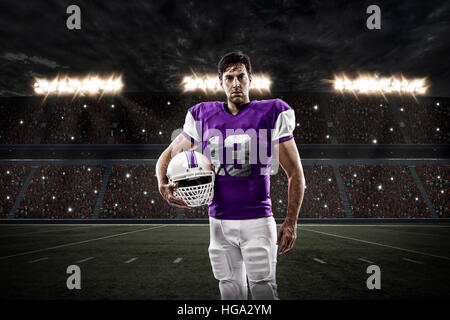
<point x="239" y="147"/>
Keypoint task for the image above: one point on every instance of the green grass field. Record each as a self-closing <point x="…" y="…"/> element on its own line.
<point x="143" y="262"/>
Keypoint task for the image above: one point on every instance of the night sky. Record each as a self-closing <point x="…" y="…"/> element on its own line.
<point x="154" y="43"/>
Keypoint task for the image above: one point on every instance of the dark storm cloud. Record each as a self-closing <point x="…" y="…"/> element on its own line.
<point x="154" y="43"/>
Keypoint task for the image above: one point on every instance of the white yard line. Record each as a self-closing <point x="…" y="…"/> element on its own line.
<point x="80" y="242"/>
<point x="37" y="260"/>
<point x="131" y="260"/>
<point x="378" y="244"/>
<point x="364" y="260"/>
<point x="413" y="261"/>
<point x="84" y="260"/>
<point x="319" y="261"/>
<point x="177" y="260"/>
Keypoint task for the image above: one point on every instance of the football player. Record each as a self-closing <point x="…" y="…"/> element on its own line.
<point x="243" y="235"/>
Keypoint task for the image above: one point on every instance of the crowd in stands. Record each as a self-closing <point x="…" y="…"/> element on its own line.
<point x="20" y="121"/>
<point x="383" y="191"/>
<point x="155" y="118"/>
<point x="150" y="119"/>
<point x="321" y="197"/>
<point x="426" y="120"/>
<point x="132" y="192"/>
<point x="373" y="191"/>
<point x="62" y="191"/>
<point x="311" y="124"/>
<point x="366" y="121"/>
<point x="12" y="178"/>
<point x="81" y="121"/>
<point x="435" y="180"/>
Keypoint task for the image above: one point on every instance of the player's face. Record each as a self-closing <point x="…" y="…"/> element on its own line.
<point x="236" y="84"/>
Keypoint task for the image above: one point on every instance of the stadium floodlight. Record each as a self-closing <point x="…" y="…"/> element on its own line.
<point x="89" y="85"/>
<point x="372" y="84"/>
<point x="210" y="83"/>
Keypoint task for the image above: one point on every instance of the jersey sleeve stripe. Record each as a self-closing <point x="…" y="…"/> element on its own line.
<point x="284" y="139"/>
<point x="190" y="130"/>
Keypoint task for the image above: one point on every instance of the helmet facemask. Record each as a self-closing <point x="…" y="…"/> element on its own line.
<point x="196" y="191"/>
<point x="195" y="177"/>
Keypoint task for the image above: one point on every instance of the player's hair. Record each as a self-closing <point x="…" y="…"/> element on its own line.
<point x="231" y="58"/>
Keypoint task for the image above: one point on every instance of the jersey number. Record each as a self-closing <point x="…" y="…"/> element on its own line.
<point x="240" y="153"/>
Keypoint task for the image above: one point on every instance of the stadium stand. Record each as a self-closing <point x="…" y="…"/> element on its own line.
<point x="321" y="199"/>
<point x="82" y="121"/>
<point x="435" y="180"/>
<point x="61" y="191"/>
<point x="153" y="118"/>
<point x="373" y="191"/>
<point x="385" y="191"/>
<point x="311" y="125"/>
<point x="426" y="121"/>
<point x="20" y="121"/>
<point x="132" y="192"/>
<point x="11" y="181"/>
<point x="364" y="121"/>
<point x="150" y="119"/>
<point x="194" y="213"/>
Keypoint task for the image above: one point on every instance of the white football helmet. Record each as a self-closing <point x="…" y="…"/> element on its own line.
<point x="195" y="176"/>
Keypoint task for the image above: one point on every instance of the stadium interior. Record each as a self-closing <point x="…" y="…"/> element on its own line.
<point x="92" y="158"/>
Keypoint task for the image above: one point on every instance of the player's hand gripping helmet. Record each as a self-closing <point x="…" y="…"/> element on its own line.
<point x="195" y="176"/>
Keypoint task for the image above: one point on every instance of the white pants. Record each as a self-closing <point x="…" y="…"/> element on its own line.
<point x="241" y="249"/>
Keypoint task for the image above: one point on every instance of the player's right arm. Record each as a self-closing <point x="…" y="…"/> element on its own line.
<point x="180" y="144"/>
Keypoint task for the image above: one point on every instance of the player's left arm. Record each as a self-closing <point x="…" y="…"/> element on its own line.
<point x="289" y="159"/>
